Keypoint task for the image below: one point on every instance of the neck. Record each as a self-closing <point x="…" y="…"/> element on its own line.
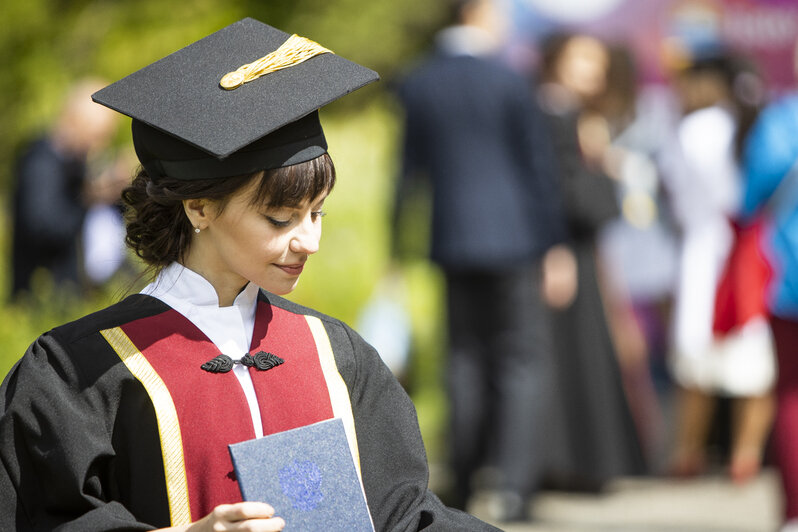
<point x="227" y="288"/>
<point x="557" y="98"/>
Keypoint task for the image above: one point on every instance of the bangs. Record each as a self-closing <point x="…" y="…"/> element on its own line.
<point x="291" y="185"/>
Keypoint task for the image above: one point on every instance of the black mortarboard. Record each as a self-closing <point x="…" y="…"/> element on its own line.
<point x="187" y="126"/>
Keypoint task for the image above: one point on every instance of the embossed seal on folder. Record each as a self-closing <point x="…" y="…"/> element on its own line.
<point x="308" y="475"/>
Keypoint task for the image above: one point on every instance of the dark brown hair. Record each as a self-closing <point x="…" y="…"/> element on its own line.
<point x="456" y="11"/>
<point x="741" y="81"/>
<point x="617" y="101"/>
<point x="551" y="49"/>
<point x="158" y="230"/>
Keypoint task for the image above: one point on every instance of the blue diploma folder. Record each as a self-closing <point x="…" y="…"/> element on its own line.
<point x="308" y="475"/>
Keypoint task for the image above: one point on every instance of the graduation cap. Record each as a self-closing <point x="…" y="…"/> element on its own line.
<point x="242" y="99"/>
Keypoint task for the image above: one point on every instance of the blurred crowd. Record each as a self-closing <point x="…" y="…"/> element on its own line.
<point x="657" y="230"/>
<point x="620" y="259"/>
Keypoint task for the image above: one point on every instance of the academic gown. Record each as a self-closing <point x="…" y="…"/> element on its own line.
<point x="592" y="438"/>
<point x="108" y="422"/>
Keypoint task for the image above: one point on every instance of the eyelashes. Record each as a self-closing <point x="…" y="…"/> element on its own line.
<point x="281" y="224"/>
<point x="278" y="223"/>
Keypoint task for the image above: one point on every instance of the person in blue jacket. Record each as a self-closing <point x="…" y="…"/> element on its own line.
<point x="771" y="190"/>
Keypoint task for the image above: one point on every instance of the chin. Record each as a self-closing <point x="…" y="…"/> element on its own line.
<point x="280" y="289"/>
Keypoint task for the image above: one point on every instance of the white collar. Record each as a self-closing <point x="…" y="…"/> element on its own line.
<point x="176" y="282"/>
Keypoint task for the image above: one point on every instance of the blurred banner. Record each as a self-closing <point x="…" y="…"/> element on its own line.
<point x="763" y="30"/>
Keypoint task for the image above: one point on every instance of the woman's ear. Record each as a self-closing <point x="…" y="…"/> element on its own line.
<point x="198" y="212"/>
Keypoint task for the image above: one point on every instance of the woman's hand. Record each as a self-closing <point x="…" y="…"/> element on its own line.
<point x="560" y="277"/>
<point x="241" y="516"/>
<point x="593" y="133"/>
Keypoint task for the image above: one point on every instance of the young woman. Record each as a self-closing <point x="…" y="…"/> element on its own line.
<point x="592" y="434"/>
<point x="702" y="175"/>
<point x="121" y="420"/>
<point x="770" y="192"/>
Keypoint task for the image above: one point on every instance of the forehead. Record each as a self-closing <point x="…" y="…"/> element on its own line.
<point x="587" y="48"/>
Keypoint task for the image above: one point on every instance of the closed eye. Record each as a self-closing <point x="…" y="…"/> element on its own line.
<point x="278" y="223"/>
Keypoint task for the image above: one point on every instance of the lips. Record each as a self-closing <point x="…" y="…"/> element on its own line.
<point x="291" y="269"/>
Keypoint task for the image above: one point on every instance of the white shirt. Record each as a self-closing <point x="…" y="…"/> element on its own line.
<point x="705" y="188"/>
<point x="229" y="328"/>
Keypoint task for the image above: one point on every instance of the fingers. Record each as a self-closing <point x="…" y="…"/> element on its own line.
<point x="245" y="517"/>
<point x="241" y="511"/>
<point x="275" y="524"/>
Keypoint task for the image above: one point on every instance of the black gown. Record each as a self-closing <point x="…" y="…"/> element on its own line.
<point x="84" y="430"/>
<point x="592" y="437"/>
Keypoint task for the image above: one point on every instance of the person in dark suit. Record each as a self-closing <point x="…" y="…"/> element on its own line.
<point x="472" y="130"/>
<point x="50" y="195"/>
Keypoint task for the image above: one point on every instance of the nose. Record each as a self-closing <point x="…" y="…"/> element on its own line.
<point x="307" y="236"/>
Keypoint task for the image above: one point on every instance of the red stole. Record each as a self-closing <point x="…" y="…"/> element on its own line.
<point x="211" y="408"/>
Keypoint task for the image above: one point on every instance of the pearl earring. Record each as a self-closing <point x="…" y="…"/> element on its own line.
<point x="196" y="229"/>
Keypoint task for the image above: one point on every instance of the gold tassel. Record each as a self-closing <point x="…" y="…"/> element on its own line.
<point x="292" y="52"/>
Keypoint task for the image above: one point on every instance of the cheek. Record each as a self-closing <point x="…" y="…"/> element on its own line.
<point x="242" y="238"/>
<point x="268" y="246"/>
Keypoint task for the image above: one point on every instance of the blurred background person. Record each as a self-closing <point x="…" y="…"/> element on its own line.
<point x="636" y="250"/>
<point x="473" y="132"/>
<point x="103" y="230"/>
<point x="592" y="436"/>
<point x="703" y="178"/>
<point x="771" y="191"/>
<point x="50" y="198"/>
<point x="385" y="324"/>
